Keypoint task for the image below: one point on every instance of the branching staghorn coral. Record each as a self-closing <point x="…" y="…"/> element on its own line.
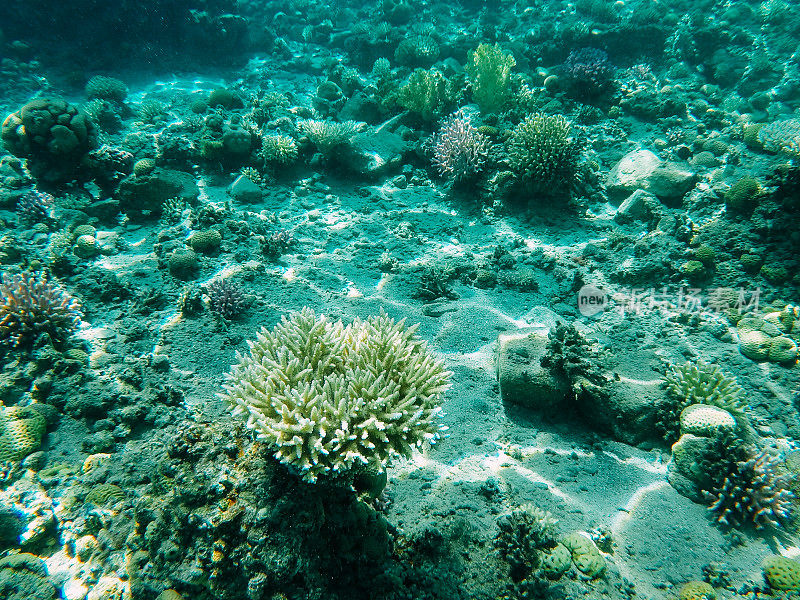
<point x="698" y="382"/>
<point x="329" y="397"/>
<point x="329" y="135"/>
<point x="31" y="305"/>
<point x="751" y="488"/>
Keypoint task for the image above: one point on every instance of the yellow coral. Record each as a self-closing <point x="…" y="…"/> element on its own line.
<point x="781" y="573"/>
<point x="556" y="561"/>
<point x="697" y="590"/>
<point x="706" y="421"/>
<point x="105" y="494"/>
<point x="21" y="431"/>
<point x="587" y="558"/>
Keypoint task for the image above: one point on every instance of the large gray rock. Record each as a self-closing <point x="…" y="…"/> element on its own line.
<point x="639" y="206"/>
<point x="626" y="407"/>
<point x="643" y="170"/>
<point x="630" y="174"/>
<point x="669" y="182"/>
<point x="376" y="154"/>
<point x="143" y="195"/>
<point x="245" y="191"/>
<point x="523" y="380"/>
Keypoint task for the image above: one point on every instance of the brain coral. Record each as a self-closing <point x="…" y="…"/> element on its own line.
<point x="31" y="305"/>
<point x="329" y="397"/>
<point x="21" y="431"/>
<point x="705" y="420"/>
<point x="701" y="383"/>
<point x="696" y="590"/>
<point x="781" y="573"/>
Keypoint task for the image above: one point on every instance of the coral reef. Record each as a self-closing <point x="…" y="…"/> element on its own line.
<point x="489" y="71"/>
<point x="749" y="487"/>
<point x="53" y="136"/>
<point x="458" y="149"/>
<point x="329" y="398"/>
<point x="278" y="149"/>
<point x="524" y="533"/>
<point x="106" y="88"/>
<point x="327" y="136"/>
<point x="225" y="298"/>
<point x="21" y="431"/>
<point x="781" y="573"/>
<point x="35" y="207"/>
<point x="588" y="73"/>
<point x="427" y="94"/>
<point x="32" y="305"/>
<point x="24" y="576"/>
<point x="543" y="154"/>
<point x="698" y="382"/>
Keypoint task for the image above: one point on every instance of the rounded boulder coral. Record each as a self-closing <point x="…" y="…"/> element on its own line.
<point x="329" y="397"/>
<point x="32" y="305"/>
<point x="52" y="135"/>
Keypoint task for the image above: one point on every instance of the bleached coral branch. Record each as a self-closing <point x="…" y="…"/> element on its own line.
<point x="329" y="397"/>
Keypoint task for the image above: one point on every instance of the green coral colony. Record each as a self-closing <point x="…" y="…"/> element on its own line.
<point x="399" y="300"/>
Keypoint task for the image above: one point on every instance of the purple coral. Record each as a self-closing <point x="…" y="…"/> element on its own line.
<point x="35" y="207"/>
<point x="588" y="73"/>
<point x="225" y="297"/>
<point x="459" y="150"/>
<point x="32" y="305"/>
<point x="754" y="492"/>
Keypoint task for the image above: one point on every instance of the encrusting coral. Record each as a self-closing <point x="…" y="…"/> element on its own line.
<point x="329" y="397"/>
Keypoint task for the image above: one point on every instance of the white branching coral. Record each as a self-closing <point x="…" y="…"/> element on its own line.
<point x="328" y="397"/>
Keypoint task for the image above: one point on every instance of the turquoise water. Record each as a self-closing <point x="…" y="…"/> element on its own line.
<point x="468" y="300"/>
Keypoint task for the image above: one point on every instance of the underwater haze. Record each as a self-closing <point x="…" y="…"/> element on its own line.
<point x="404" y="300"/>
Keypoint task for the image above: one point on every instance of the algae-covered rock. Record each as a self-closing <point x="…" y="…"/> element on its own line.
<point x="523" y="379"/>
<point x="24" y="577"/>
<point x="144" y="195"/>
<point x="245" y="191"/>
